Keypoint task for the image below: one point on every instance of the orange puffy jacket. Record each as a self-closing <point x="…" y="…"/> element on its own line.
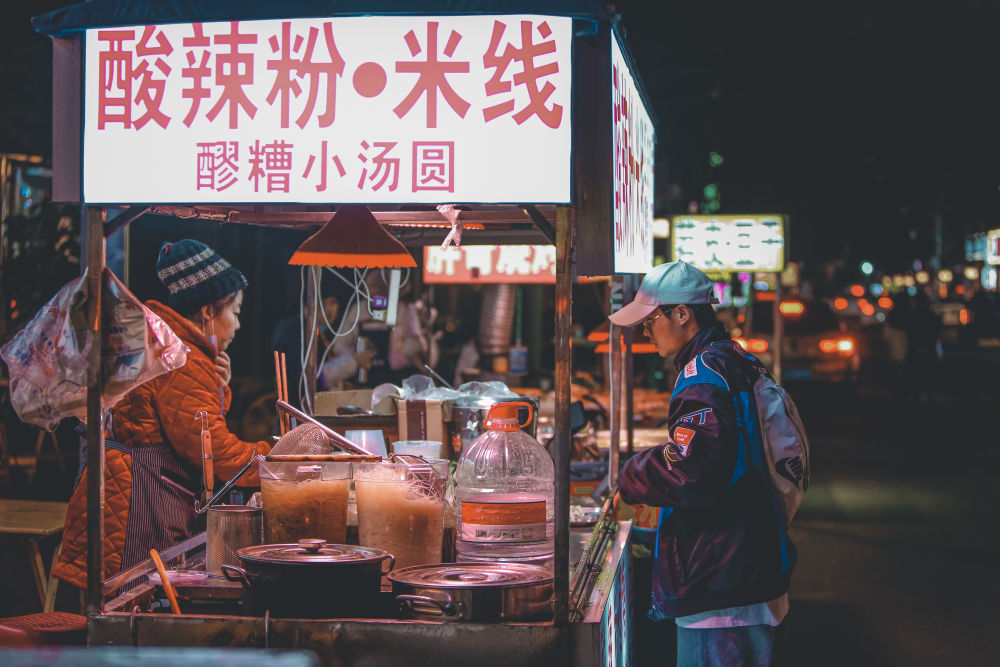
<point x="157" y="417"/>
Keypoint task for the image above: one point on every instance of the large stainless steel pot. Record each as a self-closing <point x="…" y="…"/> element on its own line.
<point x="310" y="579"/>
<point x="480" y="592"/>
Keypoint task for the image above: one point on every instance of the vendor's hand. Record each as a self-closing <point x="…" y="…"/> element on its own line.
<point x="223" y="369"/>
<point x="364" y="358"/>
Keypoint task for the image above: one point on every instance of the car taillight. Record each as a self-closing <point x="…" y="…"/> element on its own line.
<point x="742" y="342"/>
<point x="866" y="308"/>
<point x="963" y="316"/>
<point x="832" y="346"/>
<point x="757" y="345"/>
<point x="840" y="303"/>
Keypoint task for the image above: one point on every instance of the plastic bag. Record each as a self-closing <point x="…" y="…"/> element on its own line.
<point x="47" y="360"/>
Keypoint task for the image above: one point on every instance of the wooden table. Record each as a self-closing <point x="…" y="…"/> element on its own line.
<point x="35" y="520"/>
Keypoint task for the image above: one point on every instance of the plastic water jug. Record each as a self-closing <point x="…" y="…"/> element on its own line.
<point x="505" y="490"/>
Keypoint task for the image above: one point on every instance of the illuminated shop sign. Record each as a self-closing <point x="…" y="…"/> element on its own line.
<point x="993" y="246"/>
<point x="633" y="155"/>
<point x="490" y="264"/>
<point x="730" y="242"/>
<point x="373" y="109"/>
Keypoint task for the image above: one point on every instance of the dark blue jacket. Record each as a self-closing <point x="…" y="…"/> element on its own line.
<point x="720" y="542"/>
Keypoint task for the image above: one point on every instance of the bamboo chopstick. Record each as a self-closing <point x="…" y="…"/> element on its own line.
<point x="282" y="418"/>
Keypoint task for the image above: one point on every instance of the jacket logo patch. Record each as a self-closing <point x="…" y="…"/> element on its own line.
<point x="700" y="415"/>
<point x="683" y="436"/>
<point x="690" y="369"/>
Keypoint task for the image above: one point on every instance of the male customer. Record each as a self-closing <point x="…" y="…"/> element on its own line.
<point x="722" y="559"/>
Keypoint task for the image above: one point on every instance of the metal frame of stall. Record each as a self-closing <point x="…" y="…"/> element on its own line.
<point x="588" y="213"/>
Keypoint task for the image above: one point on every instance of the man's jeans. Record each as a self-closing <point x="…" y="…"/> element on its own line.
<point x="747" y="646"/>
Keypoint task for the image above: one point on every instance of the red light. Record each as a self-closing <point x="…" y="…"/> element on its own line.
<point x="857" y="290"/>
<point x="960" y="289"/>
<point x="866" y="308"/>
<point x="791" y="307"/>
<point x="828" y="346"/>
<point x="741" y="318"/>
<point x="943" y="292"/>
<point x="963" y="316"/>
<point x="840" y="303"/>
<point x="765" y="296"/>
<point x="885" y="303"/>
<point x="742" y="342"/>
<point x="756" y="345"/>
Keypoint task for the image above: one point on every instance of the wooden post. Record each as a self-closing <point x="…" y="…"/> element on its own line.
<point x="615" y="421"/>
<point x="95" y="432"/>
<point x="562" y="445"/>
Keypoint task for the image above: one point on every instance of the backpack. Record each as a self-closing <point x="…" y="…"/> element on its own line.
<point x="786" y="447"/>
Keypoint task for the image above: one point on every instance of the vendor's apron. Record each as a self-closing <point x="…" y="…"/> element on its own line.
<point x="161" y="509"/>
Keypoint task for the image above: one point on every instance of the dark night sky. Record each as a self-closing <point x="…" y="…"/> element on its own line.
<point x="862" y="124"/>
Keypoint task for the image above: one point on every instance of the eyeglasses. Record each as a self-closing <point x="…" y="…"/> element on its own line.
<point x="647" y="324"/>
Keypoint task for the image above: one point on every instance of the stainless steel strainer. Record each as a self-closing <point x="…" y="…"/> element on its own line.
<point x="230" y="528"/>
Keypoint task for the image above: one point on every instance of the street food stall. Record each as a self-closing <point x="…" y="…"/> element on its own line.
<point x="530" y="116"/>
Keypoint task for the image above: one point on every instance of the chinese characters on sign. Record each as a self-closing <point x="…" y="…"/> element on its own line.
<point x="353" y="109"/>
<point x="490" y="264"/>
<point x="730" y="242"/>
<point x="632" y="146"/>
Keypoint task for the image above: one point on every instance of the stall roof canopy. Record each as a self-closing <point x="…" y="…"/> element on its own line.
<point x="105" y="13"/>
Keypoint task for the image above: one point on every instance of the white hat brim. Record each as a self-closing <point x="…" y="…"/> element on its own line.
<point x="632" y="314"/>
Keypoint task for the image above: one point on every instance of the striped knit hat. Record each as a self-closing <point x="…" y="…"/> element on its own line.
<point x="195" y="275"/>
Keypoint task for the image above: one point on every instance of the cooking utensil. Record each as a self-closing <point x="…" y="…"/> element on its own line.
<point x="339" y="440"/>
<point x="207" y="463"/>
<point x="311" y="579"/>
<point x="437" y="377"/>
<point x="230" y="528"/>
<point x="344" y="410"/>
<point x="201" y="509"/>
<point x="480" y="592"/>
<point x="168" y="588"/>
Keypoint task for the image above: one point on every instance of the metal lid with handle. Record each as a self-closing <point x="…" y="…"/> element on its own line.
<point x="313" y="551"/>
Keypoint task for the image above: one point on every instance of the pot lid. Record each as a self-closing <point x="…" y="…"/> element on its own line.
<point x="311" y="551"/>
<point x="472" y="575"/>
<point x="477" y="402"/>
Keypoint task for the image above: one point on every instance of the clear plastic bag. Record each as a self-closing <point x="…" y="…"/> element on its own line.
<point x="47" y="360"/>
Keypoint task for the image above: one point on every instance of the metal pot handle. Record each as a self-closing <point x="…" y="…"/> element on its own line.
<point x="392" y="564"/>
<point x="454" y="610"/>
<point x="233" y="573"/>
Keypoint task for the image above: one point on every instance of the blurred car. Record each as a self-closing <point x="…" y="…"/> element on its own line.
<point x="818" y="345"/>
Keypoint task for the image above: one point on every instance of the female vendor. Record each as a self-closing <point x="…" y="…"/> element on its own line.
<point x="153" y="449"/>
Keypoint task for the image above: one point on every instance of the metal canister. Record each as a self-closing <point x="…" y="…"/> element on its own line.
<point x="230" y="528"/>
<point x="468" y="416"/>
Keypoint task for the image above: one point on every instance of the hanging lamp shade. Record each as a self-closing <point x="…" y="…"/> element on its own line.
<point x="353" y="238"/>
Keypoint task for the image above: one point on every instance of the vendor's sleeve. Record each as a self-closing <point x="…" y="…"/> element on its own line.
<point x="694" y="468"/>
<point x="189" y="390"/>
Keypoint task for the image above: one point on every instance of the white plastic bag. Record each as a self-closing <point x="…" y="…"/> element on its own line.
<point x="47" y="360"/>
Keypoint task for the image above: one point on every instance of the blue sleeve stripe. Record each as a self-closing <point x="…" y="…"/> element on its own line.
<point x="665" y="513"/>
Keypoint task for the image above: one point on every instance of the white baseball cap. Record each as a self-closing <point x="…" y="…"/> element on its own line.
<point x="670" y="283"/>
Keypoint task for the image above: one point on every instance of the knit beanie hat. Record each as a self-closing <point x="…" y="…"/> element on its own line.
<point x="195" y="275"/>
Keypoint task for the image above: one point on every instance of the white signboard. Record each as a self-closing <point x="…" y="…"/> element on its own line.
<point x="357" y="109"/>
<point x="633" y="147"/>
<point x="730" y="242"/>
